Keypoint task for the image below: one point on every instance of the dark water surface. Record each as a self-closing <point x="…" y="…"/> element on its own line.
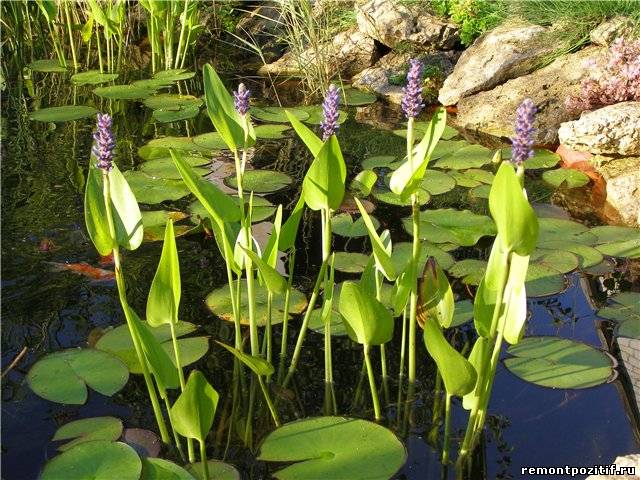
<point x="45" y="309"/>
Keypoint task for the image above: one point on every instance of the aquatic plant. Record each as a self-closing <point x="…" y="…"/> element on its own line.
<point x="522" y="143"/>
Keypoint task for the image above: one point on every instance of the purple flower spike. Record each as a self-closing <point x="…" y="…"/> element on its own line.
<point x="412" y="100"/>
<point x="522" y="143"/>
<point x="241" y="99"/>
<point x="331" y="114"/>
<point x="104" y="143"/>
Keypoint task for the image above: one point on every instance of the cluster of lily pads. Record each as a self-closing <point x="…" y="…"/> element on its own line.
<point x="530" y="256"/>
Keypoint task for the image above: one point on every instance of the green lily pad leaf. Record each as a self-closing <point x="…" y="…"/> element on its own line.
<point x="464" y="180"/>
<point x="626" y="249"/>
<point x="166" y="168"/>
<point x="606" y="266"/>
<point x="476" y="175"/>
<point x="48" y="66"/>
<point x="334" y="447"/>
<point x="587" y="256"/>
<point x="344" y="225"/>
<point x="93" y="77"/>
<point x="353" y="97"/>
<point x="436" y="182"/>
<point x="421" y="127"/>
<point x="471" y="156"/>
<point x="262" y="209"/>
<point x="219" y="302"/>
<point x="152" y="83"/>
<point x="626" y="312"/>
<point x="543" y="278"/>
<point x="447" y="225"/>
<point x="154" y="223"/>
<point x="561" y="261"/>
<point x="276" y="114"/>
<point x="617" y="241"/>
<point x="481" y="191"/>
<point x="160" y="469"/>
<point x="184" y="144"/>
<point x="261" y="181"/>
<point x="270" y="131"/>
<point x="63" y="376"/>
<point x="97" y="460"/>
<point x="171" y="101"/>
<point x="571" y="178"/>
<point x="402" y="251"/>
<point x="152" y="190"/>
<point x="462" y="314"/>
<point x="124" y="92"/>
<point x="559" y="229"/>
<point x="350" y="262"/>
<point x="316" y="115"/>
<point x="542" y="158"/>
<point x="118" y="342"/>
<point x="448" y="147"/>
<point x="63" y="114"/>
<point x="387" y="196"/>
<point x="470" y="270"/>
<point x="174" y="75"/>
<point x="558" y="363"/>
<point x="217" y="470"/>
<point x="168" y="115"/>
<point x="87" y="430"/>
<point x="381" y="161"/>
<point x="316" y="322"/>
<point x="210" y="141"/>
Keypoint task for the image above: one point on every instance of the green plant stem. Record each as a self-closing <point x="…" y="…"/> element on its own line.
<point x="285" y="317"/>
<point x="99" y="49"/>
<point x="447" y="429"/>
<point x="328" y="298"/>
<point x="234" y="291"/>
<point x="183" y="22"/>
<point x="268" y="327"/>
<point x="358" y="392"/>
<point x="176" y="437"/>
<point x="383" y="352"/>
<point x="71" y="42"/>
<point x="267" y="397"/>
<point x="203" y="459"/>
<point x="403" y="345"/>
<point x="372" y="385"/>
<point x="415" y="257"/>
<point x="176" y="352"/>
<point x="249" y="420"/>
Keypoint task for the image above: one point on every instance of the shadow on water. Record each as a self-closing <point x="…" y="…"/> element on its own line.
<point x="45" y="309"/>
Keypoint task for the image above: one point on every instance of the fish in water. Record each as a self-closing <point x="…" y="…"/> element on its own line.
<point x="84" y="269"/>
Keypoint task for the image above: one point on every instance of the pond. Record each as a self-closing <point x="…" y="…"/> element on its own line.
<point x="58" y="293"/>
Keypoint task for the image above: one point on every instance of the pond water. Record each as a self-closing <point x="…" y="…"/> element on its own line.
<point x="47" y="307"/>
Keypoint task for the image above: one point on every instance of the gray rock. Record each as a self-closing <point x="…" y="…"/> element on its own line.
<point x="392" y="23"/>
<point x="505" y="52"/>
<point x="493" y="112"/>
<point x="632" y="460"/>
<point x="614" y="129"/>
<point x="605" y="33"/>
<point x="622" y="176"/>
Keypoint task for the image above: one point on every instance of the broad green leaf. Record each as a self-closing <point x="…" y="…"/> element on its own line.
<point x="126" y="213"/>
<point x="324" y="184"/>
<point x="66" y="113"/>
<point x="448" y="225"/>
<point x="88" y="430"/>
<point x="261" y="181"/>
<point x="381" y="253"/>
<point x="217" y="470"/>
<point x="93" y="77"/>
<point x="515" y="220"/>
<point x="168" y="115"/>
<point x="364" y="182"/>
<point x="515" y="299"/>
<point x="49" y="9"/>
<point x="344" y="225"/>
<point x="258" y="365"/>
<point x="456" y="158"/>
<point x="164" y="294"/>
<point x="160" y="469"/>
<point x="567" y="176"/>
<point x="270" y="253"/>
<point x="95" y="213"/>
<point x="333" y="448"/>
<point x="478" y="352"/>
<point x="124" y="92"/>
<point x="278" y="114"/>
<point x="48" y="66"/>
<point x="274" y="282"/>
<point x="193" y="412"/>
<point x="310" y="139"/>
<point x="436" y="297"/>
<point x="487" y="292"/>
<point x="289" y="230"/>
<point x="368" y="322"/>
<point x="350" y="262"/>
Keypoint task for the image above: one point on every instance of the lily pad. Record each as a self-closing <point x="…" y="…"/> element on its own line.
<point x="261" y="181"/>
<point x="154" y="223"/>
<point x="262" y="209"/>
<point x="436" y="182"/>
<point x="124" y="92"/>
<point x="559" y="229"/>
<point x="171" y="101"/>
<point x="545" y="275"/>
<point x="617" y="241"/>
<point x="177" y="114"/>
<point x="481" y="191"/>
<point x="210" y="141"/>
<point x="353" y="97"/>
<point x="421" y="128"/>
<point x="63" y="376"/>
<point x="587" y="256"/>
<point x="270" y="131"/>
<point x="118" y="342"/>
<point x="447" y="225"/>
<point x="217" y="470"/>
<point x="87" y="430"/>
<point x="276" y="114"/>
<point x="344" y="225"/>
<point x="93" y="77"/>
<point x="63" y="114"/>
<point x="380" y="161"/>
<point x="316" y="115"/>
<point x="402" y="251"/>
<point x="48" y="66"/>
<point x="448" y="147"/>
<point x="472" y="156"/>
<point x="334" y="447"/>
<point x="470" y="270"/>
<point x="350" y="262"/>
<point x="160" y="469"/>
<point x="626" y="312"/>
<point x="174" y="75"/>
<point x="558" y="363"/>
<point x="153" y="83"/>
<point x="337" y="325"/>
<point x="185" y="144"/>
<point x="97" y="460"/>
<point x="166" y="168"/>
<point x="462" y="314"/>
<point x="387" y="196"/>
<point x="153" y="190"/>
<point x="219" y="302"/>
<point x="561" y="261"/>
<point x="567" y="176"/>
<point x="542" y="158"/>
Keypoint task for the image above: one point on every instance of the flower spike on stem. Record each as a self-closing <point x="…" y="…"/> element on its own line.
<point x="241" y="99"/>
<point x="331" y="114"/>
<point x="412" y="99"/>
<point x="522" y="143"/>
<point x="105" y="142"/>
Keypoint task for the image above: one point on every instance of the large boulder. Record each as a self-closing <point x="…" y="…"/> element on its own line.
<point x="391" y="23"/>
<point x="505" y="52"/>
<point x="493" y="112"/>
<point x="605" y="33"/>
<point x="614" y="129"/>
<point x="349" y="52"/>
<point x="622" y="177"/>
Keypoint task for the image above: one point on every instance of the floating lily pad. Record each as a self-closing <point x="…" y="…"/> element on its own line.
<point x="48" y="66"/>
<point x="470" y="270"/>
<point x="543" y="279"/>
<point x="552" y="229"/>
<point x="160" y="469"/>
<point x="542" y="158"/>
<point x="118" y="342"/>
<point x="617" y="241"/>
<point x="185" y="144"/>
<point x="93" y="77"/>
<point x="87" y="430"/>
<point x="210" y="141"/>
<point x="626" y="312"/>
<point x="262" y="209"/>
<point x="606" y="266"/>
<point x="124" y="92"/>
<point x="219" y="302"/>
<point x="97" y="460"/>
<point x="402" y="251"/>
<point x="626" y="249"/>
<point x="316" y="322"/>
<point x="344" y="225"/>
<point x="63" y="114"/>
<point x="217" y="470"/>
<point x="381" y="161"/>
<point x="447" y="147"/>
<point x="350" y="262"/>
<point x="174" y="75"/>
<point x="473" y="177"/>
<point x="567" y="176"/>
<point x="562" y="261"/>
<point x="353" y="97"/>
<point x="387" y="196"/>
<point x="152" y="83"/>
<point x="316" y="115"/>
<point x="448" y="225"/>
<point x="177" y="114"/>
<point x="166" y="168"/>
<point x="436" y="182"/>
<point x="587" y="256"/>
<point x="472" y="156"/>
<point x="152" y="190"/>
<point x="276" y="114"/>
<point x="63" y="376"/>
<point x="334" y="447"/>
<point x="171" y="100"/>
<point x="462" y="314"/>
<point x="154" y="223"/>
<point x="558" y="363"/>
<point x="481" y="191"/>
<point x="270" y="131"/>
<point x="261" y="181"/>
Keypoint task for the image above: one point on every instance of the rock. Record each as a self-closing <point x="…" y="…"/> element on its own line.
<point x="622" y="176"/>
<point x="632" y="460"/>
<point x="505" y="52"/>
<point x="348" y="53"/>
<point x="392" y="23"/>
<point x="493" y="111"/>
<point x="605" y="33"/>
<point x="377" y="79"/>
<point x="263" y="20"/>
<point x="614" y="129"/>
